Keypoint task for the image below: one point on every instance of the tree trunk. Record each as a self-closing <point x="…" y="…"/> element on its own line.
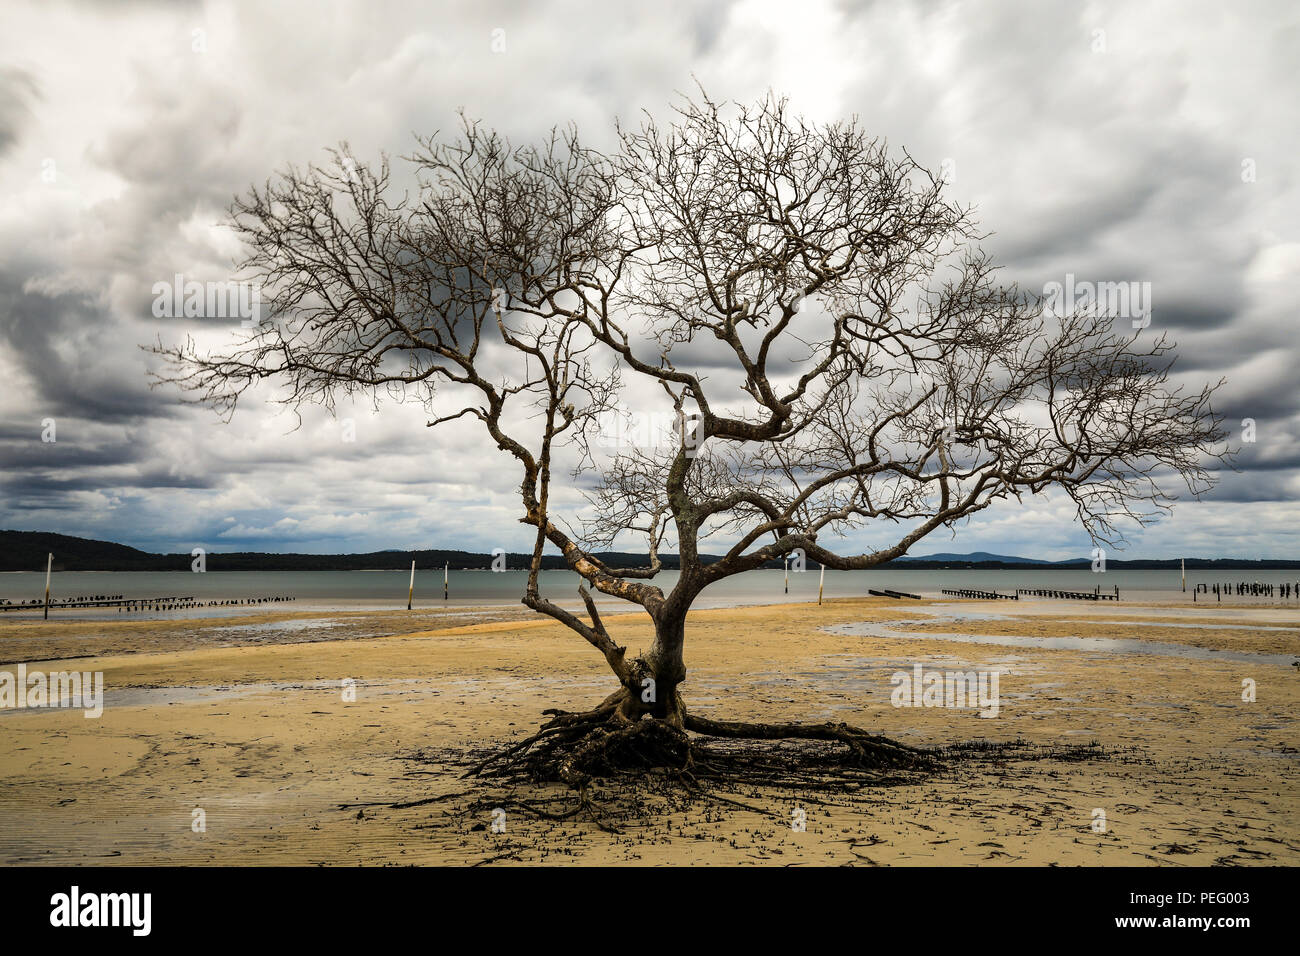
<point x="666" y="668"/>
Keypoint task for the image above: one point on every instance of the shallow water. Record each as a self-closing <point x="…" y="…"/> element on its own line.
<point x="387" y="590"/>
<point x="294" y="624"/>
<point x="1105" y="645"/>
<point x="412" y="689"/>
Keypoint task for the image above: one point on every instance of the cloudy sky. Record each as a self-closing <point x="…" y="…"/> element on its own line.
<point x="1127" y="141"/>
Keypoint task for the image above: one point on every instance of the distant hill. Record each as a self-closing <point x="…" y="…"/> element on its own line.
<point x="26" y="551"/>
<point x="976" y="557"/>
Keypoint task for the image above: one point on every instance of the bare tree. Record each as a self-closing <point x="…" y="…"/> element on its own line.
<point x="835" y="350"/>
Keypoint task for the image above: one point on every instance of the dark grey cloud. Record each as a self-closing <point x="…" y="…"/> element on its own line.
<point x="125" y="130"/>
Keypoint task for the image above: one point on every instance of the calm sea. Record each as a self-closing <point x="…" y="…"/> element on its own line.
<point x="354" y="590"/>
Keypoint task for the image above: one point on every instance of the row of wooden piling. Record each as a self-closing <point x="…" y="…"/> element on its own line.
<point x="1256" y="589"/>
<point x="981" y="595"/>
<point x="134" y="605"/>
<point x="893" y="594"/>
<point x="1096" y="595"/>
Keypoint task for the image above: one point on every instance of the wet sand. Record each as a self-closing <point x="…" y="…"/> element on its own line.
<point x="250" y="725"/>
<point x="107" y="634"/>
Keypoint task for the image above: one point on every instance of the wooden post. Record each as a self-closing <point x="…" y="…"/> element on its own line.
<point x="1184" y="566"/>
<point x="411" y="592"/>
<point x="445" y="568"/>
<point x="49" y="563"/>
<point x="821" y="584"/>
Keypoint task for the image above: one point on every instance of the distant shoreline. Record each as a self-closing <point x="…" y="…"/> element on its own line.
<point x="26" y="551"/>
<point x="1207" y="564"/>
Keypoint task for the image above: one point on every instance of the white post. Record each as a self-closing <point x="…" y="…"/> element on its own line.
<point x="787" y="574"/>
<point x="411" y="593"/>
<point x="1184" y="575"/>
<point x="821" y="583"/>
<point x="49" y="563"/>
<point x="445" y="568"/>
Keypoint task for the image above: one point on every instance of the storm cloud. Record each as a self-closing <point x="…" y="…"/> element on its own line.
<point x="1148" y="142"/>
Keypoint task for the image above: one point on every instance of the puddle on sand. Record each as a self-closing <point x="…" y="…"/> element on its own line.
<point x="290" y="625"/>
<point x="1106" y="645"/>
<point x="962" y="612"/>
<point x="166" y="696"/>
<point x="413" y="689"/>
<point x="1195" y="627"/>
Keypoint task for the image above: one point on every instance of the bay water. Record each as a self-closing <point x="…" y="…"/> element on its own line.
<point x="354" y="590"/>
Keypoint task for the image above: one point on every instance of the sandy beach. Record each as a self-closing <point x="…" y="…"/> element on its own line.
<point x="247" y="720"/>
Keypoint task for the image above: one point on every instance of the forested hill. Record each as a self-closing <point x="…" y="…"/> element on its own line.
<point x="27" y="550"/>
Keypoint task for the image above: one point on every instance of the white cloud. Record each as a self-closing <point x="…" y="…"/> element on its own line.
<point x="1117" y="164"/>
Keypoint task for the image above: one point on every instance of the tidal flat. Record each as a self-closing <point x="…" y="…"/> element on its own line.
<point x="340" y="738"/>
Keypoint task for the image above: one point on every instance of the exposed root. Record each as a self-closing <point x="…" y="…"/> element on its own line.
<point x="586" y="806"/>
<point x="864" y="750"/>
<point x="616" y="772"/>
<point x="577" y="748"/>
